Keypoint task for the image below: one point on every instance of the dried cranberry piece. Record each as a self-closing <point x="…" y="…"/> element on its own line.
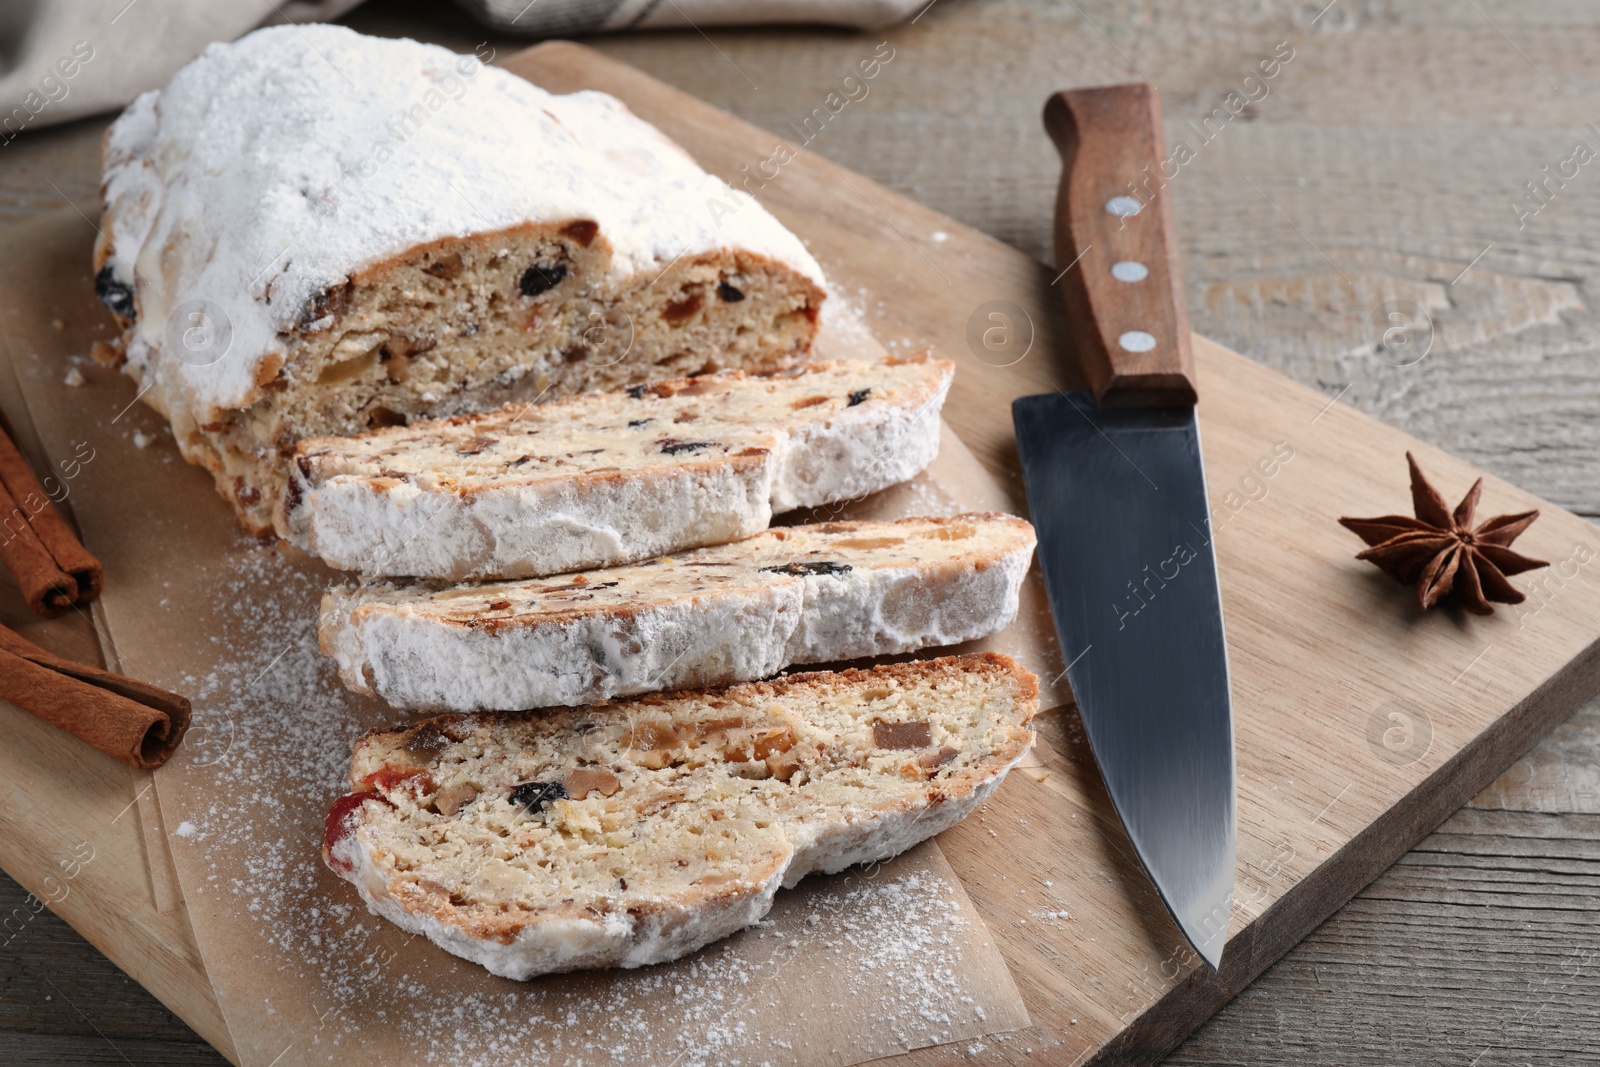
<point x="342" y="821"/>
<point x="729" y="293"/>
<point x="388" y="779"/>
<point x="858" y="396"/>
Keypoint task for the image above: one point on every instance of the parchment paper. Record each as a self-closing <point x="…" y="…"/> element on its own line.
<point x="849" y="968"/>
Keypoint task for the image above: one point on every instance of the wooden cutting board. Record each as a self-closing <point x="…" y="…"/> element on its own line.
<point x="1360" y="724"/>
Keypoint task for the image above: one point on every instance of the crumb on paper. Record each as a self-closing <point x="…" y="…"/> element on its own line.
<point x="186" y="829"/>
<point x="940" y="237"/>
<point x="107" y="355"/>
<point x="57" y="325"/>
<point x="74" y="377"/>
<point x="142" y="439"/>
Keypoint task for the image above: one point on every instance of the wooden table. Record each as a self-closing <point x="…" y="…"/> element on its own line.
<point x="1385" y="162"/>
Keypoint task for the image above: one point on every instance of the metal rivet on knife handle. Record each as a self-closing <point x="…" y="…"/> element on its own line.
<point x="1113" y="209"/>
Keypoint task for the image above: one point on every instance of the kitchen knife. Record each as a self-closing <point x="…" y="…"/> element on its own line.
<point x="1118" y="494"/>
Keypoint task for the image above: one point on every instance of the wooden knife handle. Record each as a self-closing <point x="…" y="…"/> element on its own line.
<point x="1124" y="295"/>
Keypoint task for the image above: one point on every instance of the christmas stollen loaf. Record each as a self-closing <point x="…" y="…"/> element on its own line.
<point x="603" y="479"/>
<point x="309" y="231"/>
<point x="821" y="593"/>
<point x="634" y="833"/>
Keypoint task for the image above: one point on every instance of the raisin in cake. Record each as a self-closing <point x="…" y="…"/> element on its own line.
<point x="309" y="231"/>
<point x="637" y="832"/>
<point x="603" y="479"/>
<point x="737" y="612"/>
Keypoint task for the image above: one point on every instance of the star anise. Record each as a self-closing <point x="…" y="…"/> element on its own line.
<point x="1440" y="551"/>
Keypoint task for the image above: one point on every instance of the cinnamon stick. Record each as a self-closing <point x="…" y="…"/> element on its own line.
<point x="138" y="723"/>
<point x="52" y="568"/>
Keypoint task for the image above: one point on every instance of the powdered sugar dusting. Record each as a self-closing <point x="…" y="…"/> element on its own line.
<point x="359" y="148"/>
<point x="894" y="941"/>
<point x="854" y="320"/>
<point x="847" y="968"/>
<point x="845" y="332"/>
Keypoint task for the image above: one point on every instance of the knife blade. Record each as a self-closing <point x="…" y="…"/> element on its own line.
<point x="1117" y="491"/>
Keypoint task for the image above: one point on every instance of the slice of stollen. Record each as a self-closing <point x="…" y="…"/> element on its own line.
<point x="636" y="832"/>
<point x="803" y="594"/>
<point x="603" y="479"/>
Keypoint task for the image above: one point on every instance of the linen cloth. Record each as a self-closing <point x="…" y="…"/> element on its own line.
<point x="63" y="59"/>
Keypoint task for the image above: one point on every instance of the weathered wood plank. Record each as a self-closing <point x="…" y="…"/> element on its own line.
<point x="1482" y="946"/>
<point x="62" y="1002"/>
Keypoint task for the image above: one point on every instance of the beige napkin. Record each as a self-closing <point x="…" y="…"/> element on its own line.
<point x="63" y="59"/>
<point x="557" y="18"/>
